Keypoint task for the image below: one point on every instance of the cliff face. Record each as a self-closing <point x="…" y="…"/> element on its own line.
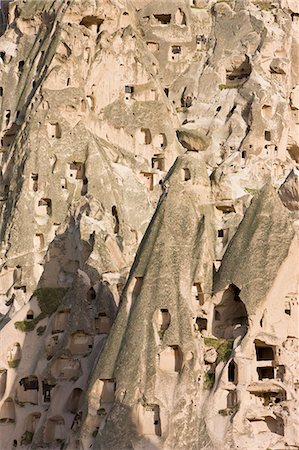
<point x="149" y="217"/>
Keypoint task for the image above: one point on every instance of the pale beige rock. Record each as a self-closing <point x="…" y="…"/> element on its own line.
<point x="149" y="216"/>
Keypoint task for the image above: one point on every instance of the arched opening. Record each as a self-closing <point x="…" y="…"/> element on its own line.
<point x="171" y="359"/>
<point x="151" y="422"/>
<point x="267" y="111"/>
<point x="51" y="346"/>
<point x="84" y="189"/>
<point x="230" y="315"/>
<point x="83" y="105"/>
<point x="63" y="183"/>
<point x="31" y="424"/>
<point x="6" y="118"/>
<point x="75" y="170"/>
<point x="75" y="401"/>
<point x="30" y="315"/>
<point x="115" y="219"/>
<point x="102" y="323"/>
<point x="267" y="135"/>
<point x="186" y="174"/>
<point x="150" y="179"/>
<point x="232" y="372"/>
<point x="232" y="399"/>
<point x="80" y="343"/>
<point x="7" y="412"/>
<point x="287" y="308"/>
<point x="38" y="241"/>
<point x="197" y="294"/>
<point x="90" y="101"/>
<point x="34" y="182"/>
<point x="202" y="323"/>
<point x="44" y="207"/>
<point x="159" y="140"/>
<point x="217" y="316"/>
<point x="55" y="430"/>
<point x="47" y="388"/>
<point x="108" y="391"/>
<point x="144" y="136"/>
<point x="176" y="51"/>
<point x="180" y="17"/>
<point x="27" y="390"/>
<point x="91" y="294"/>
<point x="54" y="130"/>
<point x="153" y="46"/>
<point x="66" y="368"/>
<point x="158" y="162"/>
<point x="163" y="319"/>
<point x="129" y="91"/>
<point x="3" y="378"/>
<point x="21" y="65"/>
<point x="60" y="321"/>
<point x="14" y="355"/>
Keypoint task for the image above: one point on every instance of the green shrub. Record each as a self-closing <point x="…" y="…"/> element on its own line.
<point x="251" y="191"/>
<point x="25" y="325"/>
<point x="209" y="380"/>
<point x="161" y="334"/>
<point x="222" y="346"/>
<point x="48" y="300"/>
<point x="13" y="364"/>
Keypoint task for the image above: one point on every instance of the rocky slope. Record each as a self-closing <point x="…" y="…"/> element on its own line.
<point x="149" y="220"/>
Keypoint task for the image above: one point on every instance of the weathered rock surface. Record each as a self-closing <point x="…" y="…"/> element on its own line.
<point x="149" y="220"/>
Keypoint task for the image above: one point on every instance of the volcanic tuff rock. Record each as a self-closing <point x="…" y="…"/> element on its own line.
<point x="149" y="219"/>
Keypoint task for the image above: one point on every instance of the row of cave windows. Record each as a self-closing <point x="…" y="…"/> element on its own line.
<point x="75" y="171"/>
<point x="176" y="49"/>
<point x="44" y="208"/>
<point x="228" y="314"/>
<point x="264" y="372"/>
<point x="102" y="321"/>
<point x="151" y="419"/>
<point x="55" y="425"/>
<point x="54" y="129"/>
<point x="169" y="360"/>
<point x="145" y="137"/>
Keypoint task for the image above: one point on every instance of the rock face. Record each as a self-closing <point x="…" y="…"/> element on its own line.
<point x="149" y="220"/>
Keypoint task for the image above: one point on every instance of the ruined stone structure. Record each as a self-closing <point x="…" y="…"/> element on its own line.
<point x="149" y="165"/>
